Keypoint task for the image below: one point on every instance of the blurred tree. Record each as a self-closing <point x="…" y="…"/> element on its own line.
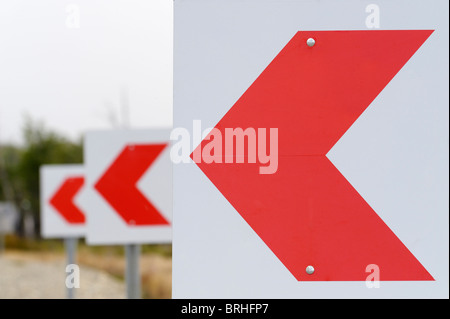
<point x="10" y="184"/>
<point x="9" y="157"/>
<point x="21" y="167"/>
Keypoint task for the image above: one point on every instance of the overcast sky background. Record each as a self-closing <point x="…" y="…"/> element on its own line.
<point x="72" y="78"/>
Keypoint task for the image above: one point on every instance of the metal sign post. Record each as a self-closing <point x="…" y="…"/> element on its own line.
<point x="132" y="274"/>
<point x="71" y="246"/>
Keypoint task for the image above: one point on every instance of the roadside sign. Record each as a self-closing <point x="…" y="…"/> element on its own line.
<point x="319" y="149"/>
<point x="60" y="186"/>
<point x="128" y="194"/>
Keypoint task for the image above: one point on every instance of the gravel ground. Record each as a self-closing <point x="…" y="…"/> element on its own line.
<point x="26" y="278"/>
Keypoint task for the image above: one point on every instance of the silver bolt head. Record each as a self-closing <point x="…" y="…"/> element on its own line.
<point x="310" y="42"/>
<point x="310" y="270"/>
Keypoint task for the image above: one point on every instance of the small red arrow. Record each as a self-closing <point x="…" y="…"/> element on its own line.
<point x="118" y="185"/>
<point x="307" y="213"/>
<point x="62" y="200"/>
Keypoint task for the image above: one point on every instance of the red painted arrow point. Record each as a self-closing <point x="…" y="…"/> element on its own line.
<point x="62" y="200"/>
<point x="118" y="185"/>
<point x="307" y="213"/>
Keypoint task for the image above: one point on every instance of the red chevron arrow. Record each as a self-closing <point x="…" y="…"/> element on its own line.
<point x="62" y="200"/>
<point x="307" y="213"/>
<point x="118" y="185"/>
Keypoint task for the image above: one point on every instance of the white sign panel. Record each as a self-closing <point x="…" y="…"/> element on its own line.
<point x="60" y="187"/>
<point x="128" y="195"/>
<point x="316" y="135"/>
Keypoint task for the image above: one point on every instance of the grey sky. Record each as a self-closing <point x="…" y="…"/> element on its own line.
<point x="71" y="78"/>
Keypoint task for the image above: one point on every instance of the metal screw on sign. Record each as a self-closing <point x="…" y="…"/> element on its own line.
<point x="310" y="270"/>
<point x="310" y="42"/>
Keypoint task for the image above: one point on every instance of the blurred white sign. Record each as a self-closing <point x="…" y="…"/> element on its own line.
<point x="128" y="194"/>
<point x="61" y="215"/>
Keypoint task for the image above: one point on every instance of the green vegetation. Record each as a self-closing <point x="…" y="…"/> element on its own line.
<point x="14" y="242"/>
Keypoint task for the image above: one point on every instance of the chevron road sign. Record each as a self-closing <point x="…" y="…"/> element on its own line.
<point x="322" y="169"/>
<point x="61" y="215"/>
<point x="128" y="195"/>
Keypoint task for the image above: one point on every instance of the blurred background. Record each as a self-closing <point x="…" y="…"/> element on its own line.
<point x="67" y="67"/>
